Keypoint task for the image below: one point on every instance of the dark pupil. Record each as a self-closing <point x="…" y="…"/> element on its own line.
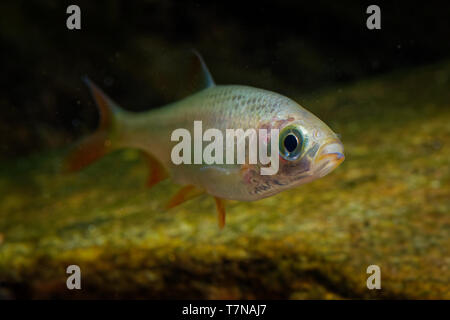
<point x="290" y="143"/>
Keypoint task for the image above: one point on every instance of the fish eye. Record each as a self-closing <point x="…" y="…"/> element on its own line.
<point x="291" y="143"/>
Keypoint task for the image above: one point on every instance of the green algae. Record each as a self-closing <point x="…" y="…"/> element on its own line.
<point x="387" y="204"/>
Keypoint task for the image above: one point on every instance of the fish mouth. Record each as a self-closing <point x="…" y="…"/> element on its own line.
<point x="330" y="156"/>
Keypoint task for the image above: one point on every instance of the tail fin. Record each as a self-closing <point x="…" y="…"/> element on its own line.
<point x="100" y="142"/>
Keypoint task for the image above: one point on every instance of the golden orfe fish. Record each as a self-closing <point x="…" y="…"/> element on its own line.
<point x="308" y="148"/>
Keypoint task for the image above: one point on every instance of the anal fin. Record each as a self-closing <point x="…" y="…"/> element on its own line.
<point x="88" y="150"/>
<point x="220" y="205"/>
<point x="184" y="194"/>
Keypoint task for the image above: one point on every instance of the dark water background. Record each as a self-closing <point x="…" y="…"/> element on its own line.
<point x="137" y="52"/>
<point x="387" y="92"/>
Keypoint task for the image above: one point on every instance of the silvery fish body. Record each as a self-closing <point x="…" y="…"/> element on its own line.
<point x="307" y="148"/>
<point x="234" y="107"/>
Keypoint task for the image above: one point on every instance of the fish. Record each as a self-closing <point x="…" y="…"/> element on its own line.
<point x="307" y="148"/>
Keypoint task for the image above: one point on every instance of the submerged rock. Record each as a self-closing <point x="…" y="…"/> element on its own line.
<point x="388" y="204"/>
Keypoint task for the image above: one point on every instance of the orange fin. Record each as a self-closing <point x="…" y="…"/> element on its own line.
<point x="87" y="151"/>
<point x="220" y="205"/>
<point x="157" y="172"/>
<point x="98" y="144"/>
<point x="184" y="194"/>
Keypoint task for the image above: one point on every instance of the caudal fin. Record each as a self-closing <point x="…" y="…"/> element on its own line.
<point x="101" y="142"/>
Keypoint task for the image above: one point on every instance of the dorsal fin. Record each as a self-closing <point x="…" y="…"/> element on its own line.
<point x="189" y="77"/>
<point x="201" y="77"/>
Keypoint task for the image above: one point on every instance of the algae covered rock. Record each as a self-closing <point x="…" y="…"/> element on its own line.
<point x="387" y="205"/>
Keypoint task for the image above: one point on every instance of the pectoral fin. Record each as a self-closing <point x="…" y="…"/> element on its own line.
<point x="157" y="172"/>
<point x="184" y="194"/>
<point x="220" y="205"/>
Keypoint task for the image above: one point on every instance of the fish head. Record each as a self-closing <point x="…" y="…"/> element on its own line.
<point x="308" y="148"/>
